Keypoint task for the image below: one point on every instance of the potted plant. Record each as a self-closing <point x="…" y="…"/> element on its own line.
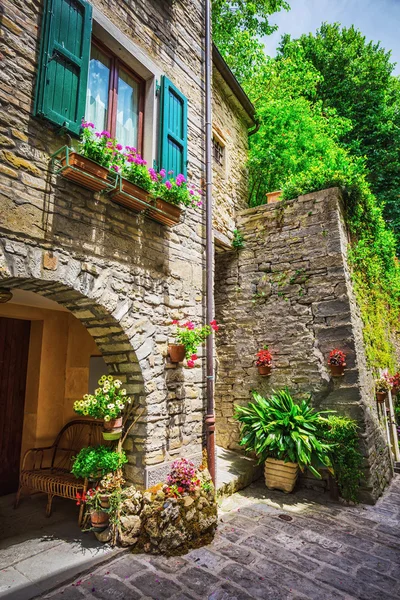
<point x="94" y="463"/>
<point x="189" y="338"/>
<point x="285" y="436"/>
<point x="108" y="402"/>
<point x="95" y="161"/>
<point x="337" y="362"/>
<point x="264" y="361"/>
<point x="394" y="381"/>
<point x="382" y="386"/>
<point x="108" y="485"/>
<point x="169" y="195"/>
<point x="99" y="517"/>
<point x="135" y="183"/>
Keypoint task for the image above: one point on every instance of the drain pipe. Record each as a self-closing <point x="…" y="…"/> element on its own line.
<point x="210" y="416"/>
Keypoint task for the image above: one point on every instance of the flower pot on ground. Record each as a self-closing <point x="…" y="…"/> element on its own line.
<point x="188" y="339"/>
<point x="337" y="362"/>
<point x="280" y="475"/>
<point x="177" y="352"/>
<point x="99" y="520"/>
<point x="264" y="362"/>
<point x="278" y="428"/>
<point x="112" y="429"/>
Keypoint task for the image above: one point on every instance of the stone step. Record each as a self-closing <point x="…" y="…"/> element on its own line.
<point x="235" y="471"/>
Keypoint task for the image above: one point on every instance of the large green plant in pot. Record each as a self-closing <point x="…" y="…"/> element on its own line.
<point x="285" y="435"/>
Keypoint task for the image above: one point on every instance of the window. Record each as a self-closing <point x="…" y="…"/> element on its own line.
<point x="114" y="99"/>
<point x="218" y="152"/>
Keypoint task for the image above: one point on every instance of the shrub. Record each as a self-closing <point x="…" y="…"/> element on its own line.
<point x="345" y="455"/>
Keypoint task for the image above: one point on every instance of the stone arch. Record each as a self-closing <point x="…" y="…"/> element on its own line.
<point x="88" y="291"/>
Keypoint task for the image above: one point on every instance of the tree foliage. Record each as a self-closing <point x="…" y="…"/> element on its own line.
<point x="328" y="115"/>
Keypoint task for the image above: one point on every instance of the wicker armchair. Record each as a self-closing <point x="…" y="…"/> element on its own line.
<point x="48" y="469"/>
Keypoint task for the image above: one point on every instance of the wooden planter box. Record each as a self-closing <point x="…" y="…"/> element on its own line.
<point x="280" y="475"/>
<point x="164" y="212"/>
<point x="130" y="195"/>
<point x="84" y="171"/>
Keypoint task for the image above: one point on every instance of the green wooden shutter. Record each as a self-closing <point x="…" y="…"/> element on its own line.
<point x="173" y="129"/>
<point x="64" y="62"/>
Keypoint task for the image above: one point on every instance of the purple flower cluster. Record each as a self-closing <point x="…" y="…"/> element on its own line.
<point x="183" y="475"/>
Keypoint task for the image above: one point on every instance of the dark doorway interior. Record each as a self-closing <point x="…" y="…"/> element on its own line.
<point x="14" y="348"/>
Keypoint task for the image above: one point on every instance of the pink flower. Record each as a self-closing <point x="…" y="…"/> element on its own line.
<point x="175" y="322"/>
<point x="98" y="134"/>
<point x="190" y="364"/>
<point x="105" y="134"/>
<point x="110" y="145"/>
<point x="162" y="173"/>
<point x="189" y="325"/>
<point x="130" y="158"/>
<point x="87" y="125"/>
<point x="115" y="168"/>
<point x="194" y="357"/>
<point x="153" y="174"/>
<point x="168" y="185"/>
<point x="191" y="192"/>
<point x="119" y="146"/>
<point x="199" y="203"/>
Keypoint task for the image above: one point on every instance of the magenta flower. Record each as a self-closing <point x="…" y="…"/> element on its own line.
<point x="110" y="145"/>
<point x="168" y="185"/>
<point x="87" y="125"/>
<point x="105" y="134"/>
<point x="190" y="363"/>
<point x="130" y="158"/>
<point x="153" y="174"/>
<point x="98" y="134"/>
<point x="191" y="192"/>
<point x="162" y="173"/>
<point x="119" y="146"/>
<point x="199" y="203"/>
<point x="115" y="168"/>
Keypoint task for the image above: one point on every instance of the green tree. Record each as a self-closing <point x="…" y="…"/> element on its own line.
<point x="356" y="80"/>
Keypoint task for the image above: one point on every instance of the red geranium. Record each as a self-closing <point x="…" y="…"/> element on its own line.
<point x="264" y="358"/>
<point x="337" y="357"/>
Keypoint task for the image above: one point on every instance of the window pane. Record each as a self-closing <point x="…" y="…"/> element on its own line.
<point x="127" y="110"/>
<point x="97" y="92"/>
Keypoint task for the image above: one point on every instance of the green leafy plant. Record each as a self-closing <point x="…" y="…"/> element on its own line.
<point x="382" y="385"/>
<point x="99" y="146"/>
<point x="345" y="455"/>
<point x="279" y="428"/>
<point x="134" y="169"/>
<point x="108" y="401"/>
<point x="97" y="462"/>
<point x="192" y="337"/>
<point x="238" y="240"/>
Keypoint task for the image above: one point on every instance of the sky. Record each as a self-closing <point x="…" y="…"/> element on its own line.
<point x="378" y="20"/>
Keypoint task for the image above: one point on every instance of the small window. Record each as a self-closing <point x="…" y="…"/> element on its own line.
<point x="114" y="98"/>
<point x="218" y="153"/>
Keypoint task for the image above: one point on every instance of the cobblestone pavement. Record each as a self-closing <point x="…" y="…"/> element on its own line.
<point x="269" y="546"/>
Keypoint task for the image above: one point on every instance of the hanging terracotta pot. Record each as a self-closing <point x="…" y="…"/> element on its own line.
<point x="381" y="397"/>
<point x="337" y="370"/>
<point x="112" y="430"/>
<point x="177" y="352"/>
<point x="264" y="370"/>
<point x="99" y="519"/>
<point x="164" y="212"/>
<point x="84" y="171"/>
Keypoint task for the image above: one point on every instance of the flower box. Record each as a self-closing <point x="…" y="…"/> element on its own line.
<point x="81" y="170"/>
<point x="130" y="195"/>
<point x="164" y="212"/>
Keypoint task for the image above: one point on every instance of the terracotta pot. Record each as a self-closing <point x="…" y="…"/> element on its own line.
<point x="170" y="213"/>
<point x="99" y="519"/>
<point x="273" y="197"/>
<point x="86" y="172"/>
<point x="177" y="352"/>
<point x="280" y="475"/>
<point x="130" y="195"/>
<point x="112" y="430"/>
<point x="264" y="370"/>
<point x="381" y="397"/>
<point x="105" y="500"/>
<point x="337" y="370"/>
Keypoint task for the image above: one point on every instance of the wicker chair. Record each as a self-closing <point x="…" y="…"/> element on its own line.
<point x="48" y="469"/>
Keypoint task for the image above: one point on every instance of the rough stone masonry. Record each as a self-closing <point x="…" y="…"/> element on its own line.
<point x="290" y="289"/>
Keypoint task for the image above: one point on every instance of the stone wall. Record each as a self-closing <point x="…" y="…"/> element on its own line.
<point x="230" y="127"/>
<point x="125" y="277"/>
<point x="290" y="289"/>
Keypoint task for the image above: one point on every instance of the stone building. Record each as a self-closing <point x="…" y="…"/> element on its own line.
<point x="290" y="288"/>
<point x="95" y="285"/>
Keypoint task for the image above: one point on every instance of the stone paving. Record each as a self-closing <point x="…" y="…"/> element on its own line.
<point x="269" y="546"/>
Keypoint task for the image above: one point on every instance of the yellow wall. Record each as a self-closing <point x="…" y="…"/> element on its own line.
<point x="58" y="370"/>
